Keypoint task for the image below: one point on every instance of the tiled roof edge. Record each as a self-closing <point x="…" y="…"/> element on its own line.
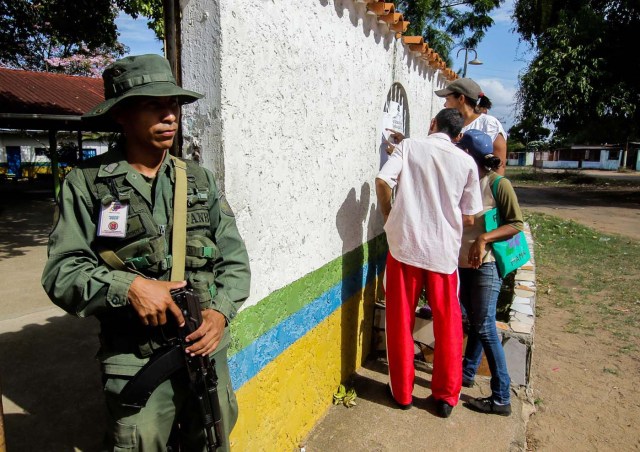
<point x="387" y="14"/>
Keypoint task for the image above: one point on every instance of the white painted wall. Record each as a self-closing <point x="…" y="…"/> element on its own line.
<point x="608" y="163"/>
<point x="561" y="164"/>
<point x="528" y="160"/>
<point x="591" y="165"/>
<point x="302" y="90"/>
<point x="27" y="146"/>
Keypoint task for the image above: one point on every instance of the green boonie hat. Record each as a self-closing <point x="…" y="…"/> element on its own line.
<point x="139" y="75"/>
<point x="464" y="86"/>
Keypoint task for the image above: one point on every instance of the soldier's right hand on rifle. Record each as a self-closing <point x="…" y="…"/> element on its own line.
<point x="151" y="300"/>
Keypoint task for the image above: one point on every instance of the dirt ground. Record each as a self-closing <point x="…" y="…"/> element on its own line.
<point x="610" y="210"/>
<point x="585" y="390"/>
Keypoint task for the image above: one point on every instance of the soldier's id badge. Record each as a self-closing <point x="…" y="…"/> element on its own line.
<point x="113" y="220"/>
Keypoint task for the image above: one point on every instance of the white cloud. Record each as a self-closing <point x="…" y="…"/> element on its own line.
<point x="131" y="29"/>
<point x="503" y="14"/>
<point x="497" y="90"/>
<point x="503" y="98"/>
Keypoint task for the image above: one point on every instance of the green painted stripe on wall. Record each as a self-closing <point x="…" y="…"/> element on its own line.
<point x="253" y="322"/>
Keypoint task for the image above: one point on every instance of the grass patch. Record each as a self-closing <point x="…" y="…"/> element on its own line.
<point x="628" y="348"/>
<point x="591" y="275"/>
<point x="505" y="298"/>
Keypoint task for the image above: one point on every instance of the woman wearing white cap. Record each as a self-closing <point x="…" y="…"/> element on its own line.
<point x="464" y="95"/>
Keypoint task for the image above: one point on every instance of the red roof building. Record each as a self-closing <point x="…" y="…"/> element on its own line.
<point x="48" y="93"/>
<point x="42" y="100"/>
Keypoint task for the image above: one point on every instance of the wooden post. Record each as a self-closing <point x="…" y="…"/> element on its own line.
<point x="171" y="11"/>
<point x="3" y="443"/>
<point x="55" y="170"/>
<point x="624" y="154"/>
<point x="80" y="155"/>
<point x="170" y="48"/>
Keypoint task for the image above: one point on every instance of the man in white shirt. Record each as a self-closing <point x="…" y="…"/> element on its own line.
<point x="437" y="190"/>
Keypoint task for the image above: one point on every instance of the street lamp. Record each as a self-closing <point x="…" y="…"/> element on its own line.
<point x="475" y="61"/>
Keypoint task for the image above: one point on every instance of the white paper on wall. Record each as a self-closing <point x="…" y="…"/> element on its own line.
<point x="392" y="118"/>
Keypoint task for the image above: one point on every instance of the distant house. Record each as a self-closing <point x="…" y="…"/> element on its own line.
<point x="520" y="158"/>
<point x="632" y="160"/>
<point x="35" y="105"/>
<point x="604" y="157"/>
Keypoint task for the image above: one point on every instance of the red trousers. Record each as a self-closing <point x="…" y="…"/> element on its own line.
<point x="403" y="287"/>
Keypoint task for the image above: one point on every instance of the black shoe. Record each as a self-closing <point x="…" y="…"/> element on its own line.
<point x="468" y="383"/>
<point x="402" y="406"/>
<point x="443" y="408"/>
<point x="487" y="406"/>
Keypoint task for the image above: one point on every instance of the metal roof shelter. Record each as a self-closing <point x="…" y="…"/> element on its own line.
<point x="47" y="101"/>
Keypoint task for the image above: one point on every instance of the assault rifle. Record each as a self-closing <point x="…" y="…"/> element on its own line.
<point x="203" y="380"/>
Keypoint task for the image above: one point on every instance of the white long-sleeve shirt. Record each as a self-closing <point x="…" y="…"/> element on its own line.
<point x="437" y="183"/>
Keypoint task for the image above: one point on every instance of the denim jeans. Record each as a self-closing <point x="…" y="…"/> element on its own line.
<point x="479" y="290"/>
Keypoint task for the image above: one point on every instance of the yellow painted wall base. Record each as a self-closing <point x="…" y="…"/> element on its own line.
<point x="280" y="406"/>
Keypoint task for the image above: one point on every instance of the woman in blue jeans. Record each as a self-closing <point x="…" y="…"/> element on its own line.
<point x="479" y="279"/>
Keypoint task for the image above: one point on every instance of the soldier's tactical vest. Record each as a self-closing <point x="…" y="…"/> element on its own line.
<point x="146" y="250"/>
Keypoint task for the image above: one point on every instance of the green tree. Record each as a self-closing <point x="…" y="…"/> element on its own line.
<point x="151" y="9"/>
<point x="582" y="80"/>
<point x="445" y="24"/>
<point x="515" y="145"/>
<point x="528" y="129"/>
<point x="53" y="35"/>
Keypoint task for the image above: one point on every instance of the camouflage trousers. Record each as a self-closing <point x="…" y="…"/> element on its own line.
<point x="172" y="403"/>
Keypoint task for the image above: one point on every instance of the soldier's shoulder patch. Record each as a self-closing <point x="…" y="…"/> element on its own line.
<point x="111" y="167"/>
<point x="225" y="208"/>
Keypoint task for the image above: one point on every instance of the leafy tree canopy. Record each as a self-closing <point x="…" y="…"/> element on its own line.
<point x="515" y="145"/>
<point x="583" y="79"/>
<point x="528" y="129"/>
<point x="446" y="24"/>
<point x="151" y="9"/>
<point x="71" y="36"/>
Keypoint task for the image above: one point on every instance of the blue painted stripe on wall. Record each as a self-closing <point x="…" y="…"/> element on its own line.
<point x="249" y="361"/>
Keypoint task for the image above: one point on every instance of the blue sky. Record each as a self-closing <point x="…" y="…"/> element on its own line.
<point x="503" y="57"/>
<point x="135" y="34"/>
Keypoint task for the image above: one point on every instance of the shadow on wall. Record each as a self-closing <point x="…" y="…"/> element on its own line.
<point x="350" y="222"/>
<point x="358" y="11"/>
<point x="370" y="24"/>
<point x="424" y="70"/>
<point x="377" y="261"/>
<point x="50" y="372"/>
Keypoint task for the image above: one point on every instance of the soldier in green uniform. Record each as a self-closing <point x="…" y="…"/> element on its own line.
<point x="110" y="255"/>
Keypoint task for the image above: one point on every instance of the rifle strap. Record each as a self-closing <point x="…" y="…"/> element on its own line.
<point x="113" y="261"/>
<point x="161" y="366"/>
<point x="179" y="235"/>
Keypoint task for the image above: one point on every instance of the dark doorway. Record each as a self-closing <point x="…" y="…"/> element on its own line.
<point x="14" y="160"/>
